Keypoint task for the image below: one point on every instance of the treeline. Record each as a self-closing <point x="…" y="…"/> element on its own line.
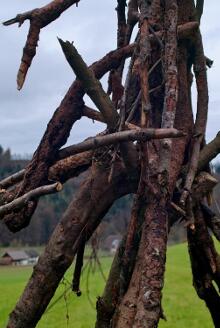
<point x="51" y="208"/>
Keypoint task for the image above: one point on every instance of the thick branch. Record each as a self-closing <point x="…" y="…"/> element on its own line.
<point x="61" y="171"/>
<point x="107" y="303"/>
<point x="210" y="151"/>
<point x="91" y="85"/>
<point x="144" y="57"/>
<point x="77" y="222"/>
<point x="121" y="23"/>
<point x="201" y="116"/>
<point x="205" y="267"/>
<point x="57" y="132"/>
<point x="199" y="9"/>
<point x="93" y="114"/>
<point x="94" y="89"/>
<point x="39" y="18"/>
<point x="171" y="78"/>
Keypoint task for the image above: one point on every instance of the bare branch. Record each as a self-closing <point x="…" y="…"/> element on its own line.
<point x="171" y="78"/>
<point x="39" y="18"/>
<point x="201" y="116"/>
<point x="33" y="194"/>
<point x="12" y="179"/>
<point x="114" y="138"/>
<point x="199" y="9"/>
<point x="78" y="269"/>
<point x="121" y="23"/>
<point x="78" y="222"/>
<point x="210" y="151"/>
<point x="91" y="84"/>
<point x="144" y="56"/>
<point x="92" y="114"/>
<point x="56" y="134"/>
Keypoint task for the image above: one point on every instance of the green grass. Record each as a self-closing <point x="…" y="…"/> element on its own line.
<point x="180" y="302"/>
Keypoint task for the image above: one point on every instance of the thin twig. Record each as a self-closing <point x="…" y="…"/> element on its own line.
<point x="114" y="138"/>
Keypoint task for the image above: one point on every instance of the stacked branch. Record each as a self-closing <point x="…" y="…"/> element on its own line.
<point x="147" y="147"/>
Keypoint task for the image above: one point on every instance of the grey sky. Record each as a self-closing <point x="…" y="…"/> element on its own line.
<point x="92" y="27"/>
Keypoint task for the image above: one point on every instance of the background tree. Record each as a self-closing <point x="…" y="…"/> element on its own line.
<point x="152" y="147"/>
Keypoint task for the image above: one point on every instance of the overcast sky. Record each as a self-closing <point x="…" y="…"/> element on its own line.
<point x="92" y="26"/>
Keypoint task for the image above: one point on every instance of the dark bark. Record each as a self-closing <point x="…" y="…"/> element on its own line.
<point x="79" y="221"/>
<point x="205" y="265"/>
<point x="56" y="135"/>
<point x="39" y="18"/>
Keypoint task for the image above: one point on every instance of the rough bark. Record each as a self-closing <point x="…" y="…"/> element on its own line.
<point x="205" y="265"/>
<point x="56" y="135"/>
<point x="39" y="18"/>
<point x="78" y="221"/>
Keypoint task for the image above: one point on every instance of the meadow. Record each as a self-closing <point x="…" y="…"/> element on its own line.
<point x="181" y="305"/>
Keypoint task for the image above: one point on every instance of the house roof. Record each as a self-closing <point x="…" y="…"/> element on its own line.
<point x="16" y="255"/>
<point x="32" y="253"/>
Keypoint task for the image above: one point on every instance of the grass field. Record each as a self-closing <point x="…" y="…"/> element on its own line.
<point x="181" y="304"/>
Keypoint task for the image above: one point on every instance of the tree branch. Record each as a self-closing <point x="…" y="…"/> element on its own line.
<point x="114" y="138"/>
<point x="171" y="78"/>
<point x="12" y="179"/>
<point x="56" y="134"/>
<point x="78" y="268"/>
<point x="38" y="18"/>
<point x="78" y="222"/>
<point x="210" y="151"/>
<point x="199" y="9"/>
<point x="93" y="114"/>
<point x="33" y="194"/>
<point x="92" y="86"/>
<point x="201" y="116"/>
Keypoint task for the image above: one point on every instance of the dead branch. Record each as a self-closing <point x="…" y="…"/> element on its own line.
<point x="56" y="134"/>
<point x="33" y="194"/>
<point x="78" y="269"/>
<point x="38" y="18"/>
<point x="70" y="167"/>
<point x="94" y="89"/>
<point x="201" y="116"/>
<point x="205" y="268"/>
<point x="171" y="78"/>
<point x="121" y="23"/>
<point x="91" y="85"/>
<point x="212" y="221"/>
<point x="144" y="56"/>
<point x="77" y="222"/>
<point x="199" y="9"/>
<point x="12" y="179"/>
<point x="61" y="171"/>
<point x="92" y="114"/>
<point x="209" y="152"/>
<point x="107" y="303"/>
<point x="114" y="138"/>
<point x="204" y="183"/>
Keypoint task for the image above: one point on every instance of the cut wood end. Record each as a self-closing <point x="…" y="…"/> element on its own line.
<point x="192" y="227"/>
<point x="10" y="22"/>
<point x="20" y="79"/>
<point x="59" y="186"/>
<point x="207" y="177"/>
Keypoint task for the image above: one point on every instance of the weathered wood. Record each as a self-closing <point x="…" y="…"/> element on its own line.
<point x="79" y="221"/>
<point x="39" y="18"/>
